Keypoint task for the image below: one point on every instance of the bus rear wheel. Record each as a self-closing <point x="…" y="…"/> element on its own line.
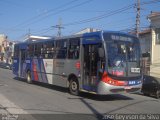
<point x="74" y="87"/>
<point x="29" y="77"/>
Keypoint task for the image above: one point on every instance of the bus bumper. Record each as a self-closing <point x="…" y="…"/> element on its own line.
<point x="104" y="89"/>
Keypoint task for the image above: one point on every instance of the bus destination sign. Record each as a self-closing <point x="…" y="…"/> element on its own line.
<point x="122" y="38"/>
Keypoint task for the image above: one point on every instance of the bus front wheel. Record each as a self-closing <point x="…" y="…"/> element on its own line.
<point x="74" y="87"/>
<point x="29" y="77"/>
<point x="158" y="94"/>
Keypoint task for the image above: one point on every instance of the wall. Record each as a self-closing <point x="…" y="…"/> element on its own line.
<point x="155" y="54"/>
<point x="2" y="38"/>
<point x="155" y="49"/>
<point x="145" y="41"/>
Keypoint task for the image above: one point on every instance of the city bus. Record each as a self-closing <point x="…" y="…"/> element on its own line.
<point x="103" y="62"/>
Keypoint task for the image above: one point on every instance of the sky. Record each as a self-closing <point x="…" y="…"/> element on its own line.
<point x="39" y="17"/>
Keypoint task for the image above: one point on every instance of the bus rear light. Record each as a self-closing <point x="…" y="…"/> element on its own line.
<point x="109" y="80"/>
<point x="78" y="65"/>
<point x="112" y="82"/>
<point x="104" y="77"/>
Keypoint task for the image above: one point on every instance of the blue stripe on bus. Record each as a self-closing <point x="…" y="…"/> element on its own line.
<point x="89" y="88"/>
<point x="40" y="70"/>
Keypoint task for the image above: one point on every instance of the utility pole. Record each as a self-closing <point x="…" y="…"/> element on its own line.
<point x="59" y="27"/>
<point x="138" y="18"/>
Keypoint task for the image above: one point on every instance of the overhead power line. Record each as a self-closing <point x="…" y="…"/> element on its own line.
<point x="150" y="2"/>
<point x="109" y="14"/>
<point x="48" y="12"/>
<point x="52" y="12"/>
<point x="101" y="16"/>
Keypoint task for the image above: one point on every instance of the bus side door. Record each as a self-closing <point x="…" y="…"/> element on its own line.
<point x="90" y="60"/>
<point x="22" y="63"/>
<point x="16" y="60"/>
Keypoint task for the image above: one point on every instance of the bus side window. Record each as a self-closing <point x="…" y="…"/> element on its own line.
<point x="37" y="50"/>
<point x="46" y="49"/>
<point x="30" y="50"/>
<point x="61" y="49"/>
<point x="74" y="48"/>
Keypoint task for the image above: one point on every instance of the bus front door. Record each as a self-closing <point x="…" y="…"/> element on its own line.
<point x="90" y="62"/>
<point x="22" y="64"/>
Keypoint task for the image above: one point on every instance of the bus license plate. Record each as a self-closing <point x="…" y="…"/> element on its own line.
<point x="135" y="70"/>
<point x="131" y="82"/>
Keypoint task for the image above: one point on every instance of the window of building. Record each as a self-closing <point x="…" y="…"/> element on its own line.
<point x="157" y="36"/>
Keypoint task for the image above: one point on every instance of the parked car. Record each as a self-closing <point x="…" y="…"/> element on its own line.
<point x="151" y="86"/>
<point x="5" y="65"/>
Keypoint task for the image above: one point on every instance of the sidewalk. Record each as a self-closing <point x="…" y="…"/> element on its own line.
<point x="2" y="110"/>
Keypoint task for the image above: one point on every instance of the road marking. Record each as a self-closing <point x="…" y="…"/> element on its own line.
<point x="3" y="85"/>
<point x="9" y="108"/>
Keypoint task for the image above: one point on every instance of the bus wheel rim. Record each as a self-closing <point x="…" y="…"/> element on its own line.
<point x="28" y="77"/>
<point x="74" y="86"/>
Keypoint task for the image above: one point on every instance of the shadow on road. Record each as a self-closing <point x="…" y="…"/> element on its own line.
<point x="53" y="87"/>
<point x="112" y="97"/>
<point x="83" y="98"/>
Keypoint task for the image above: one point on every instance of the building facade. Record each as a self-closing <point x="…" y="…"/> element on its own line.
<point x="6" y="49"/>
<point x="145" y="41"/>
<point x="154" y="18"/>
<point x="3" y="38"/>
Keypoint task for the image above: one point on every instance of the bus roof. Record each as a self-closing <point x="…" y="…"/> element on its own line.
<point x="97" y="33"/>
<point x="119" y="32"/>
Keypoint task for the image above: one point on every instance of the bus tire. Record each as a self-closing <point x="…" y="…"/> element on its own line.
<point x="29" y="77"/>
<point x="158" y="94"/>
<point x="74" y="87"/>
<point x="146" y="94"/>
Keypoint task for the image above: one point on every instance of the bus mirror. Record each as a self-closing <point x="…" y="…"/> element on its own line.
<point x="101" y="52"/>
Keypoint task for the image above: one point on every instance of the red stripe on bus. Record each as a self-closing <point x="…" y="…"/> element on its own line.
<point x="109" y="80"/>
<point x="35" y="72"/>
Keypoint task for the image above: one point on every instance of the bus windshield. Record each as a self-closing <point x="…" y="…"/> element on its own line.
<point x="123" y="58"/>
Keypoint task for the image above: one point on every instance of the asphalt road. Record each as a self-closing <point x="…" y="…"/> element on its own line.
<point x="38" y="101"/>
